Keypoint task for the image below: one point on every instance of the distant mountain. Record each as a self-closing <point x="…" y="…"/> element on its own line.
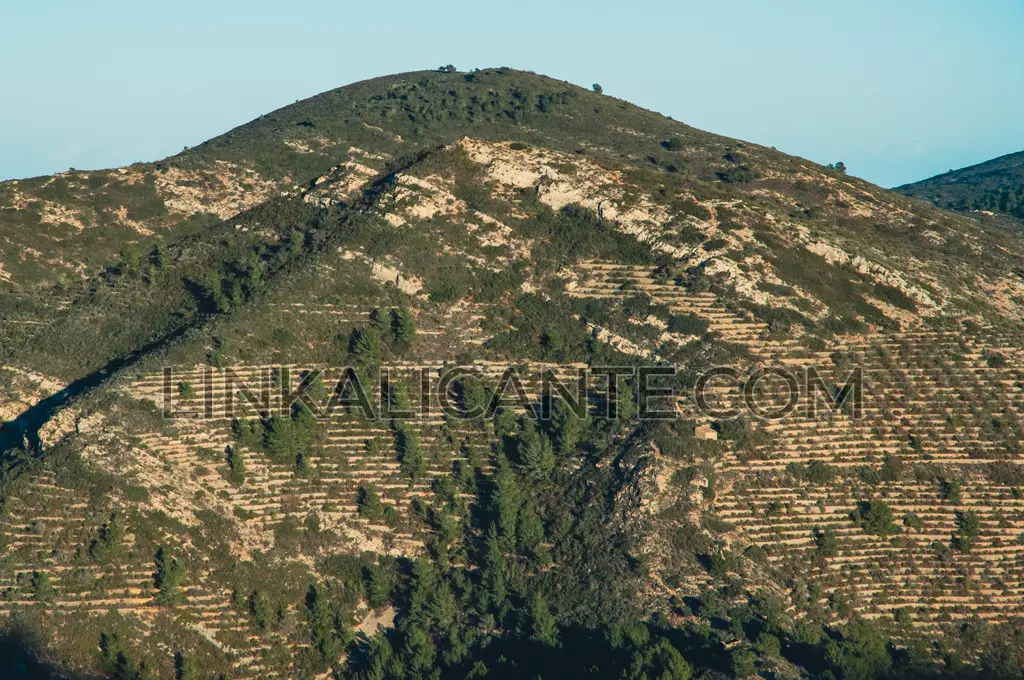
<point x="995" y="186"/>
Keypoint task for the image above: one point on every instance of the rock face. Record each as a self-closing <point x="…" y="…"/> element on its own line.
<point x="528" y="230"/>
<point x="63" y="424"/>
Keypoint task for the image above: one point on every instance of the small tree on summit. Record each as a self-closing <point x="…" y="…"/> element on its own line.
<point x="598" y="89"/>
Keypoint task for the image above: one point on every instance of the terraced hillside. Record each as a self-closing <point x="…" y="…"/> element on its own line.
<point x="174" y="508"/>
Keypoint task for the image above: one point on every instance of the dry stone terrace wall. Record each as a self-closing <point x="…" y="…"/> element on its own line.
<point x="948" y="399"/>
<point x="913" y="385"/>
<point x="48" y="529"/>
<point x="340" y="461"/>
<point x="610" y="281"/>
<point x="932" y="399"/>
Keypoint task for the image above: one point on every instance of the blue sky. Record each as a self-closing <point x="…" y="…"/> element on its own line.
<point x="898" y="90"/>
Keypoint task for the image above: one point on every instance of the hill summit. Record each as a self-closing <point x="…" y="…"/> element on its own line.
<point x="484" y="374"/>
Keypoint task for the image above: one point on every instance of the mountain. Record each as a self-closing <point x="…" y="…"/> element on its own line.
<point x="220" y="459"/>
<point x="995" y="186"/>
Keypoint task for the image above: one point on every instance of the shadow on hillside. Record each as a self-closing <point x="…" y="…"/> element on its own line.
<point x="18" y="661"/>
<point x="23" y="432"/>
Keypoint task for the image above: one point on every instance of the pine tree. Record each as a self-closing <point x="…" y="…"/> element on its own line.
<point x="506" y="500"/>
<point x="111" y="536"/>
<point x="666" y="663"/>
<point x="368" y="503"/>
<point x="324" y="625"/>
<point x="375" y="447"/>
<point x="281" y="441"/>
<point x="305" y="422"/>
<point x="625" y="404"/>
<point x="159" y="255"/>
<point x="381" y="580"/>
<point x="423" y="582"/>
<point x="419" y="650"/>
<point x="398" y="403"/>
<point x="410" y="457"/>
<point x="42" y="588"/>
<point x="442" y="607"/>
<point x="236" y="465"/>
<point x="213" y="289"/>
<point x="112" y="652"/>
<point x="170" y="576"/>
<point x="743" y="662"/>
<point x="567" y="426"/>
<point x="474" y="398"/>
<point x="543" y="627"/>
<point x="534" y="449"/>
<point x="303" y="465"/>
<point x="261" y="611"/>
<point x="367" y="347"/>
<point x="186" y="391"/>
<point x="185" y="667"/>
<point x="403" y="327"/>
<point x="875" y="517"/>
<point x="530" y="531"/>
<point x="494" y="590"/>
<point x="826" y="541"/>
<point x="968" y="530"/>
<point x="504" y="421"/>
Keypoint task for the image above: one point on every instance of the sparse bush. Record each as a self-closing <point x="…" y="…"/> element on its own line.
<point x="687" y="324"/>
<point x="186" y="391"/>
<point x="738" y="174"/>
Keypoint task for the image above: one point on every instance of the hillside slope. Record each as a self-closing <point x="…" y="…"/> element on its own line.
<point x="165" y="500"/>
<point x="995" y="186"/>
